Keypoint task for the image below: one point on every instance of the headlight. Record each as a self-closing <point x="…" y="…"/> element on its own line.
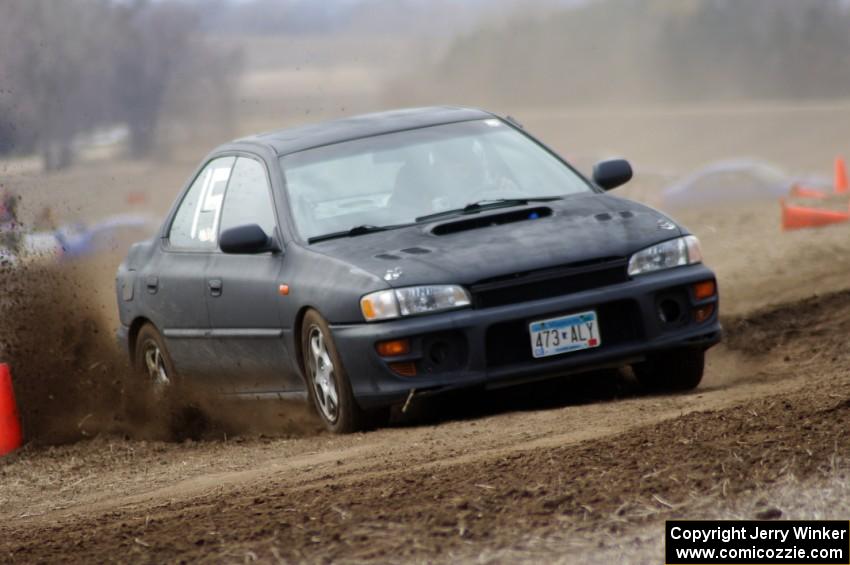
<point x="674" y="253"/>
<point x="412" y="300"/>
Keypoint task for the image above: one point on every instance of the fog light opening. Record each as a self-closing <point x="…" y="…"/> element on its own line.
<point x="439" y="353"/>
<point x="669" y="311"/>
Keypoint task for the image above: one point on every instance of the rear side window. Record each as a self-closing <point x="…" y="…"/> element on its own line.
<point x="195" y="224"/>
<point x="248" y="200"/>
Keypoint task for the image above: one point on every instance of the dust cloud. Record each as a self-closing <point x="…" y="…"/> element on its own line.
<point x="73" y="380"/>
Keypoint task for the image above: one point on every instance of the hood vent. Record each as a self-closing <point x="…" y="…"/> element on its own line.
<point x="492" y="220"/>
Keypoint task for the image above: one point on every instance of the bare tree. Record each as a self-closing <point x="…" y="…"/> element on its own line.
<point x="56" y="61"/>
<point x="155" y="42"/>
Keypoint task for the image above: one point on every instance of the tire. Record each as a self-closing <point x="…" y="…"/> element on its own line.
<point x="676" y="370"/>
<point x="152" y="363"/>
<point x="327" y="381"/>
<point x="155" y="392"/>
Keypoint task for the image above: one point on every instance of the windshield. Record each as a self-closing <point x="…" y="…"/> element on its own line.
<point x="395" y="178"/>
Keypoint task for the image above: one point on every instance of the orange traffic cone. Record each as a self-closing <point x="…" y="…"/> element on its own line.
<point x="797" y="217"/>
<point x="807" y="192"/>
<point x="10" y="425"/>
<point x="841" y="185"/>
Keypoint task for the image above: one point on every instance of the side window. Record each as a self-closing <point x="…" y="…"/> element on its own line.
<point x="195" y="224"/>
<point x="247" y="200"/>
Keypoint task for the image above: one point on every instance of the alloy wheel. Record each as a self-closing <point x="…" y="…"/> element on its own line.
<point x="155" y="366"/>
<point x="322" y="375"/>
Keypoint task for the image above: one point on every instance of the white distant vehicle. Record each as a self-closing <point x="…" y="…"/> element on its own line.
<point x="733" y="181"/>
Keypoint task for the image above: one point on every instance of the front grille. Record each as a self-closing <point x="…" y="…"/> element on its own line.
<point x="536" y="285"/>
<point x="508" y="343"/>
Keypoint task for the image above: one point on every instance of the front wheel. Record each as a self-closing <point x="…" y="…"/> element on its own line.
<point x="676" y="370"/>
<point x="327" y="381"/>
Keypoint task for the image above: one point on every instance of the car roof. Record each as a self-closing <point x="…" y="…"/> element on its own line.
<point x="292" y="140"/>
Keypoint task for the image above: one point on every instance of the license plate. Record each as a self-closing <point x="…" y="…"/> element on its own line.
<point x="565" y="334"/>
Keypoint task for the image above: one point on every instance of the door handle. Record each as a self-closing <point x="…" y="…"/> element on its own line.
<point x="152" y="284"/>
<point x="215" y="287"/>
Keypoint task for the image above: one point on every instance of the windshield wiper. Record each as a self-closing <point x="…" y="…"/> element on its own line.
<point x="480" y="205"/>
<point x="355" y="231"/>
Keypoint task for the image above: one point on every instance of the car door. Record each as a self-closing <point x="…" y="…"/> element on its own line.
<point x="174" y="280"/>
<point x="243" y="295"/>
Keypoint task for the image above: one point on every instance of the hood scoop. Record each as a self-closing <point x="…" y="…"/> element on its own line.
<point x="492" y="220"/>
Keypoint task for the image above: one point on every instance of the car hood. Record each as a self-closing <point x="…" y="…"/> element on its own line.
<point x="580" y="228"/>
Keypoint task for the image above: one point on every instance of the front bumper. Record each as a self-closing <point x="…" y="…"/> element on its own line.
<point x="491" y="346"/>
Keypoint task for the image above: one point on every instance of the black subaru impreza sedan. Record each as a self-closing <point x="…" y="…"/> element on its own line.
<point x="358" y="261"/>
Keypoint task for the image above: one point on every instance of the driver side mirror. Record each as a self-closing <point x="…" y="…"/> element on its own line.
<point x="612" y="173"/>
<point x="246" y="240"/>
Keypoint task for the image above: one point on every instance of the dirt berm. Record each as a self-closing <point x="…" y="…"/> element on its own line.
<point x="565" y="479"/>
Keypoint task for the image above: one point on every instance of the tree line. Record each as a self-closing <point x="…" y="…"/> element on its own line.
<point x="69" y="67"/>
<point x="627" y="51"/>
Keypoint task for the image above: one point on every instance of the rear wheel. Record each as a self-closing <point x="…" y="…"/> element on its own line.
<point x="676" y="370"/>
<point x="327" y="381"/>
<point x="154" y="392"/>
<point x="152" y="362"/>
